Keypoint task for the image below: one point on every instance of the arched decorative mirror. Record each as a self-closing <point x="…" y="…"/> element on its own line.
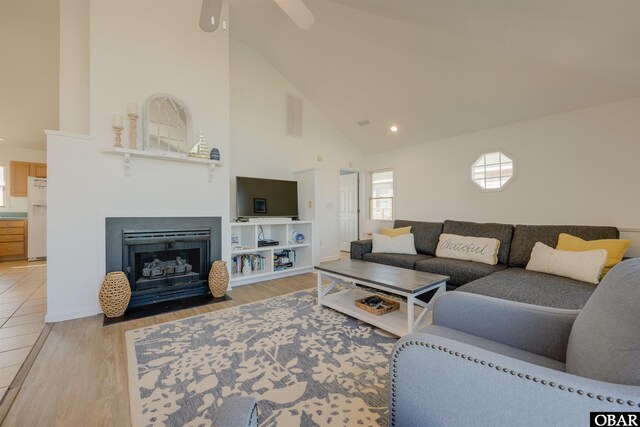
<point x="167" y="124"/>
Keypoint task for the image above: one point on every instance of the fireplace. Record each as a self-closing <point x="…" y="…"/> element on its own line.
<point x="166" y="264"/>
<point x="165" y="259"/>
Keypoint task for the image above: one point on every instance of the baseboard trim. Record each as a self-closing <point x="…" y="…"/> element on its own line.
<point x="330" y="258"/>
<point x="249" y="280"/>
<point x="70" y="315"/>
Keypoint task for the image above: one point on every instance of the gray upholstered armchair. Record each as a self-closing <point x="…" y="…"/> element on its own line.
<point x="237" y="411"/>
<point x="489" y="362"/>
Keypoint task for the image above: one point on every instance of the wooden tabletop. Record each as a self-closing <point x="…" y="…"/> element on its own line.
<point x="402" y="279"/>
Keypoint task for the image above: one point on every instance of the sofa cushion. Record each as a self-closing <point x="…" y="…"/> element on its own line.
<point x="459" y="271"/>
<point x="531" y="287"/>
<point x="526" y="236"/>
<point x="493" y="346"/>
<point x="360" y="247"/>
<point x="426" y="234"/>
<point x="603" y="344"/>
<point x="502" y="232"/>
<point x="396" y="260"/>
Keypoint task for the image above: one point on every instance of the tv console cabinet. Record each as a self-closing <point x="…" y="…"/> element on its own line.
<point x="247" y="235"/>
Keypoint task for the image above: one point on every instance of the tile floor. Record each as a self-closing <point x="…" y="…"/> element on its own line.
<point x="23" y="304"/>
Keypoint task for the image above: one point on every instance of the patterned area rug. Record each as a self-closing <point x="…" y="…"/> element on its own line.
<point x="305" y="365"/>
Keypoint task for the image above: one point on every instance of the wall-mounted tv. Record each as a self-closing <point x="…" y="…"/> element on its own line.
<point x="258" y="197"/>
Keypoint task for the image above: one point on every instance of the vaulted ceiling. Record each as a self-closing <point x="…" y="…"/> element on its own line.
<point x="29" y="71"/>
<point x="439" y="68"/>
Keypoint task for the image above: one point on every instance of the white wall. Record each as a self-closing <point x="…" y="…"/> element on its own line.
<point x="137" y="49"/>
<point x="10" y="153"/>
<point x="260" y="148"/>
<point x="579" y="167"/>
<point x="74" y="66"/>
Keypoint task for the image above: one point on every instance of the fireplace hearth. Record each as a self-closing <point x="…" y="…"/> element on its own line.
<point x="166" y="260"/>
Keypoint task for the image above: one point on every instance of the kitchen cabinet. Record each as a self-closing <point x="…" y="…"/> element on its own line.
<point x="19" y="174"/>
<point x="38" y="170"/>
<point x="13" y="239"/>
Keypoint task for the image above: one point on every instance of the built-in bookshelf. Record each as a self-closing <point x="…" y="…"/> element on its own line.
<point x="269" y="262"/>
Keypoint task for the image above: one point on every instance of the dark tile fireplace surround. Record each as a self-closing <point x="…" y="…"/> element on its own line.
<point x="166" y="260"/>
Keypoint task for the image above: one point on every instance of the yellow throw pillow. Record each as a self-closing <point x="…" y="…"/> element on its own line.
<point x="393" y="232"/>
<point x="615" y="248"/>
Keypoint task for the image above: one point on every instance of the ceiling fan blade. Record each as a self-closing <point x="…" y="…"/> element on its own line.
<point x="210" y="15"/>
<point x="298" y="12"/>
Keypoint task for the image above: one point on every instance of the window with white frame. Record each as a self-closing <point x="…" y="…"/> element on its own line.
<point x="492" y="171"/>
<point x="2" y="187"/>
<point x="381" y="194"/>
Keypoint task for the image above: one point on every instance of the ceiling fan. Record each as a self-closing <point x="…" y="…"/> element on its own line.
<point x="295" y="9"/>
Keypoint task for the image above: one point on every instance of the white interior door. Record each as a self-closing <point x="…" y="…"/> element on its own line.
<point x="348" y="210"/>
<point x="307" y="192"/>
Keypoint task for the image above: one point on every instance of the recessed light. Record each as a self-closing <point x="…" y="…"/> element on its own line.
<point x="394" y="128"/>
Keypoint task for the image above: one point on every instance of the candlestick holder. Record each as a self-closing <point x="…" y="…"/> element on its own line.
<point x="133" y="130"/>
<point x="118" y="130"/>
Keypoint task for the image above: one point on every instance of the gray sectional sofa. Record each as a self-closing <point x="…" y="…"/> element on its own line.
<point x="508" y="279"/>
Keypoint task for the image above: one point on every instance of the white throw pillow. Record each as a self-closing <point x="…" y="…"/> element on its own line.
<point x="585" y="266"/>
<point x="468" y="248"/>
<point x="393" y="245"/>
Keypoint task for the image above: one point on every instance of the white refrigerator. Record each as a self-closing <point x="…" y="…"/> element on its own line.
<point x="37" y="218"/>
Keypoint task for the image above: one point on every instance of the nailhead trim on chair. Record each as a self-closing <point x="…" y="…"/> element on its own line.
<point x="396" y="354"/>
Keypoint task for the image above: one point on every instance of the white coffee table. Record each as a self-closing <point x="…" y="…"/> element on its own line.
<point x="403" y="282"/>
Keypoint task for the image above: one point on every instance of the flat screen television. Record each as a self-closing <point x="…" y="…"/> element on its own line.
<point x="258" y="197"/>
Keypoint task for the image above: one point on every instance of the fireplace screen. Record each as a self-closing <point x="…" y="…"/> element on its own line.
<point x="163" y="260"/>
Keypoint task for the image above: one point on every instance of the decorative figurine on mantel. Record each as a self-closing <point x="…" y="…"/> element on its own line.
<point x="116" y="123"/>
<point x="201" y="149"/>
<point x="132" y="111"/>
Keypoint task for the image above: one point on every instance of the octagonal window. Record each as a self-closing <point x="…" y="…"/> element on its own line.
<point x="492" y="171"/>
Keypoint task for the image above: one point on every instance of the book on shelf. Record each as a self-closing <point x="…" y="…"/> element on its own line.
<point x="281" y="267"/>
<point x="283" y="259"/>
<point x="256" y="261"/>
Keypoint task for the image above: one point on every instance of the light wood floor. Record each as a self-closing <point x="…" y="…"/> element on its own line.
<point x="80" y="376"/>
<point x="23" y="303"/>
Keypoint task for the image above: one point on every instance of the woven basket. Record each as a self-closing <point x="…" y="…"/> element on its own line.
<point x="218" y="278"/>
<point x="395" y="305"/>
<point x="115" y="294"/>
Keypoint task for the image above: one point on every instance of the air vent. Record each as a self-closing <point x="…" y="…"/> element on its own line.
<point x="363" y="122"/>
<point x="293" y="115"/>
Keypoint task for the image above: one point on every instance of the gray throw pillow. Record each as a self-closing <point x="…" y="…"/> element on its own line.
<point x="605" y="340"/>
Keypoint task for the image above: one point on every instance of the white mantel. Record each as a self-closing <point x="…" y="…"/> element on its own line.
<point x="128" y="153"/>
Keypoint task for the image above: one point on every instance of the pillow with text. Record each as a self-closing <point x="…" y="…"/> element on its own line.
<point x="468" y="248"/>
